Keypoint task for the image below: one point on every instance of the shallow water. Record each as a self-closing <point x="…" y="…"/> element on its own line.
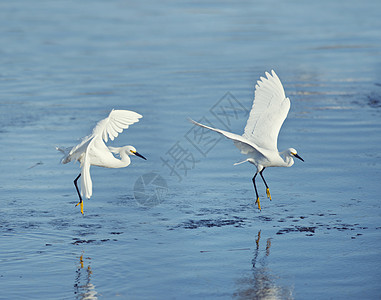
<point x="183" y="224"/>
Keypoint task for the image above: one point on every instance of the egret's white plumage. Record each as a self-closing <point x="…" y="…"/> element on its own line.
<point x="259" y="140"/>
<point x="92" y="150"/>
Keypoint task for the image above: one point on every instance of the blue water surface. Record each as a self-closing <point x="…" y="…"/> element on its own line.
<point x="183" y="224"/>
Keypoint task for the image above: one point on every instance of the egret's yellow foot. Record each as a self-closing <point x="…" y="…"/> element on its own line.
<point x="259" y="203"/>
<point x="81" y="202"/>
<point x="268" y="193"/>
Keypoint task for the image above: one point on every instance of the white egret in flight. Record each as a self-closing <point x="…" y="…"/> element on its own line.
<point x="259" y="140"/>
<point x="92" y="151"/>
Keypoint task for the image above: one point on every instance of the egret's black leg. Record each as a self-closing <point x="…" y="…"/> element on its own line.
<point x="256" y="192"/>
<point x="79" y="194"/>
<point x="76" y="187"/>
<point x="267" y="187"/>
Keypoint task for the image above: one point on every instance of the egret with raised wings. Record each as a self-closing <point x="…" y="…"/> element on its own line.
<point x="92" y="151"/>
<point x="259" y="140"/>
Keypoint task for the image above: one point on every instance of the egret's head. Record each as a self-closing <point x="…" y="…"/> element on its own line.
<point x="294" y="153"/>
<point x="130" y="150"/>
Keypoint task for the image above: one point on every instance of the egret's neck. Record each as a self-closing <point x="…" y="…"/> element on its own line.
<point x="287" y="158"/>
<point x="124" y="159"/>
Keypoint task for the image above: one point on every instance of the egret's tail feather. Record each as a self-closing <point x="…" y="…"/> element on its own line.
<point x="60" y="149"/>
<point x="241" y="162"/>
<point x="66" y="152"/>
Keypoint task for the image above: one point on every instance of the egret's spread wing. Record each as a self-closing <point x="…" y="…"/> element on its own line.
<point x="269" y="110"/>
<point x="109" y="127"/>
<point x="240" y="142"/>
<point x="115" y="123"/>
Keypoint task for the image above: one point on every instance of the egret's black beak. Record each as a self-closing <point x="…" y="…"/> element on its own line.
<point x="297" y="156"/>
<point x="138" y="154"/>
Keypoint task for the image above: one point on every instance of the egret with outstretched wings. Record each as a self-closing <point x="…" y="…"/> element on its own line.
<point x="259" y="140"/>
<point x="92" y="151"/>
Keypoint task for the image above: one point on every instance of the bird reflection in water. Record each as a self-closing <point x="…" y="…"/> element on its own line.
<point x="83" y="288"/>
<point x="261" y="284"/>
